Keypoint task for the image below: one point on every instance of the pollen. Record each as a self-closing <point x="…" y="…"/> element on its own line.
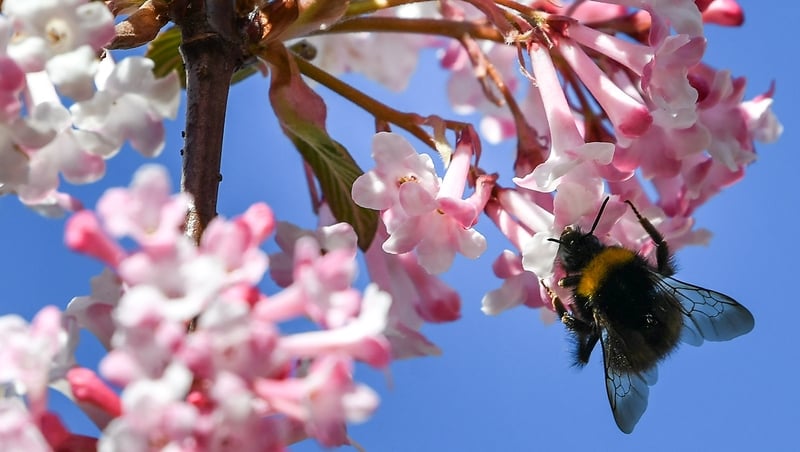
<point x="404" y="179"/>
<point x="597" y="270"/>
<point x="59" y="35"/>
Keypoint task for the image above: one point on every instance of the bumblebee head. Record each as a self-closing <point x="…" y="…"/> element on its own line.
<point x="576" y="248"/>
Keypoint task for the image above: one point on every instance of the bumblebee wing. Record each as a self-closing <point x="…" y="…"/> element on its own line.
<point x="627" y="391"/>
<point x="708" y="314"/>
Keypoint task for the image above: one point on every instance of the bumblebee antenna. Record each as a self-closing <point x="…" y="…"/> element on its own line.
<point x="599" y="214"/>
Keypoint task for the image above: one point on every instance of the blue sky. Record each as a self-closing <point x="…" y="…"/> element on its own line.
<point x="506" y="382"/>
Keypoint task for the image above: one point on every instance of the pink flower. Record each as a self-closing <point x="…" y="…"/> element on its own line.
<point x="94" y="397"/>
<point x="85" y="235"/>
<point x="61" y="152"/>
<point x="333" y="237"/>
<point x="628" y="115"/>
<point x="762" y="124"/>
<point x="722" y="12"/>
<point x="130" y="104"/>
<point x="93" y="312"/>
<point x="682" y="15"/>
<point x="57" y="28"/>
<point x="360" y="338"/>
<point x="520" y="287"/>
<point x="236" y="420"/>
<point x="13" y="81"/>
<point x="228" y="256"/>
<point x="236" y="244"/>
<point x="33" y="355"/>
<point x="387" y="58"/>
<point x="720" y="114"/>
<point x="321" y="287"/>
<point x="665" y="79"/>
<point x="417" y="296"/>
<point x="324" y="400"/>
<point x="398" y="169"/>
<point x="229" y="338"/>
<point x="658" y="153"/>
<point x="568" y="148"/>
<point x="18" y="430"/>
<point x="149" y="330"/>
<point x="154" y="413"/>
<point x="468" y="95"/>
<point x="419" y="211"/>
<point x="146" y="211"/>
<point x="55" y="45"/>
<point x="632" y="55"/>
<point x="198" y="382"/>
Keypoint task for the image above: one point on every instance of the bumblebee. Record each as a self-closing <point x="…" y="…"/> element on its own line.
<point x="637" y="311"/>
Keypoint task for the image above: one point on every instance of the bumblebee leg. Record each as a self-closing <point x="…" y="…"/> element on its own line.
<point x="560" y="308"/>
<point x="555" y="300"/>
<point x="586" y="335"/>
<point x="662" y="249"/>
<point x="575" y="324"/>
<point x="586" y="343"/>
<point x="569" y="281"/>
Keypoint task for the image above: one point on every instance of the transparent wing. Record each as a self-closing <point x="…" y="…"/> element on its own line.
<point x="708" y="314"/>
<point x="627" y="391"/>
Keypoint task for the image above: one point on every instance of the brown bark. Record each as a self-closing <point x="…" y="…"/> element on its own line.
<point x="212" y="51"/>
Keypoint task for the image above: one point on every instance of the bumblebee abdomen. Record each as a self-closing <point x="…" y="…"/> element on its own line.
<point x="621" y="290"/>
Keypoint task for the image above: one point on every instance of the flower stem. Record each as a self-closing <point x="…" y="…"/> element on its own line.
<point x="436" y="27"/>
<point x="409" y="121"/>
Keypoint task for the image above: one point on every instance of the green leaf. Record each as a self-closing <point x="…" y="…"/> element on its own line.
<point x="164" y="52"/>
<point x="302" y="113"/>
<point x="243" y="73"/>
<point x="336" y="171"/>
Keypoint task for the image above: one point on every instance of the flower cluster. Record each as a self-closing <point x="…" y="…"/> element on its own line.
<point x="34" y="356"/>
<point x="420" y="211"/>
<point x="49" y="51"/>
<point x="195" y="346"/>
<point x="387" y="58"/>
<point x="618" y="102"/>
<point x="614" y="101"/>
<point x="425" y="222"/>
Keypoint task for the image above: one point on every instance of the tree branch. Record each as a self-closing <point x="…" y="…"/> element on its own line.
<point x="211" y="55"/>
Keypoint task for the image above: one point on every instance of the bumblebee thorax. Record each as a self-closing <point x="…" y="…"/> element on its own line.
<point x="596" y="271"/>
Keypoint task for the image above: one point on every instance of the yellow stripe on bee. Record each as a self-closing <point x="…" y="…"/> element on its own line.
<point x="595" y="273"/>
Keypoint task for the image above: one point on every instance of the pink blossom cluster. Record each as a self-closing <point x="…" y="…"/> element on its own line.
<point x="418" y="296"/>
<point x="660" y="120"/>
<point x="424" y="224"/>
<point x="197" y="350"/>
<point x="35" y="356"/>
<point x="421" y="212"/>
<point x="51" y="51"/>
<point x="615" y="101"/>
<point x="387" y="58"/>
